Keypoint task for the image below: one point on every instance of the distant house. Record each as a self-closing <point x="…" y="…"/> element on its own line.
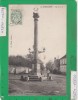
<point x="63" y="64"/>
<point x="19" y="69"/>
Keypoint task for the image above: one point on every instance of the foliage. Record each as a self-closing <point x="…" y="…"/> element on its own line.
<point x="55" y="71"/>
<point x="58" y="72"/>
<point x="19" y="61"/>
<point x="49" y="66"/>
<point x="23" y="61"/>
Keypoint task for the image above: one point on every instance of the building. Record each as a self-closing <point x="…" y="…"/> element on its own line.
<point x="63" y="64"/>
<point x="19" y="69"/>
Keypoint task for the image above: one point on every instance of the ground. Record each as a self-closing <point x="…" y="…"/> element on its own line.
<point x="55" y="87"/>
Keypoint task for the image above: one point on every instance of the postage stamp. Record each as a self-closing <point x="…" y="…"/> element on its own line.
<point x="16" y="16"/>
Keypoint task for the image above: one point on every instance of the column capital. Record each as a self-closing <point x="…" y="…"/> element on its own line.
<point x="35" y="15"/>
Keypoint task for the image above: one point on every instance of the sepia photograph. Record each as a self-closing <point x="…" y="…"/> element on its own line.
<point x="37" y="50"/>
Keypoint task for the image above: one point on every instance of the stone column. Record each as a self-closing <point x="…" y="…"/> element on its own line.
<point x="35" y="16"/>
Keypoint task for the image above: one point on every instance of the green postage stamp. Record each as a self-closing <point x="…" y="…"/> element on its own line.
<point x="16" y="16"/>
<point x="38" y="50"/>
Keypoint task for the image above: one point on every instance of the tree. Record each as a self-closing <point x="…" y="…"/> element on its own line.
<point x="19" y="61"/>
<point x="49" y="66"/>
<point x="24" y="61"/>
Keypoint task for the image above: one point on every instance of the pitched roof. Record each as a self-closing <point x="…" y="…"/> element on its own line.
<point x="63" y="56"/>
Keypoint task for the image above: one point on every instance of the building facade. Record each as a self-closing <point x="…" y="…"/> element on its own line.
<point x="19" y="69"/>
<point x="63" y="64"/>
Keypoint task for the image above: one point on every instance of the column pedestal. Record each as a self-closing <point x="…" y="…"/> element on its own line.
<point x="36" y="71"/>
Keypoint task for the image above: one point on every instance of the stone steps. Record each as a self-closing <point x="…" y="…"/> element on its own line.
<point x="34" y="78"/>
<point x="31" y="78"/>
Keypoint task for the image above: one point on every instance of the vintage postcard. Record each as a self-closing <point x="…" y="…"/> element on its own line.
<point x="38" y="50"/>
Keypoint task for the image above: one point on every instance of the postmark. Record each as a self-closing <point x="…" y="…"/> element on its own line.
<point x="16" y="16"/>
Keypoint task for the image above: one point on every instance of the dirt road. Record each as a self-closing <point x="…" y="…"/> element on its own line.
<point x="55" y="87"/>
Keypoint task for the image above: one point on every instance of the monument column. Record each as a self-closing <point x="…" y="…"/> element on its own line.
<point x="35" y="16"/>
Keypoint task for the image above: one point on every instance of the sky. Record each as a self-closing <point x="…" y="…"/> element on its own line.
<point x="51" y="31"/>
